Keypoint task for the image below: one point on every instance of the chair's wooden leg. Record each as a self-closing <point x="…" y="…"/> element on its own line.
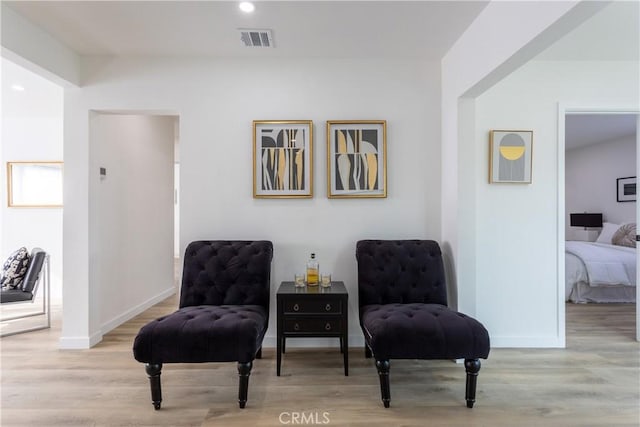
<point x="244" y="370"/>
<point x="259" y="353"/>
<point x="367" y="351"/>
<point x="383" y="372"/>
<point x="153" y="371"/>
<point x="473" y="367"/>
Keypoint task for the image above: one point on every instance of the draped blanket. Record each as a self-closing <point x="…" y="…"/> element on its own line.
<point x="606" y="265"/>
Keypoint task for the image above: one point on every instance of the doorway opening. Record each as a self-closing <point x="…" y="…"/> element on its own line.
<point x="132" y="204"/>
<point x="599" y="258"/>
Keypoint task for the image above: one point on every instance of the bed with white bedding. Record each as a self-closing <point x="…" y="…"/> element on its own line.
<point x="599" y="272"/>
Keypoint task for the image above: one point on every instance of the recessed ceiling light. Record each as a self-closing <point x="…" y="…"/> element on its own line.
<point x="246" y="7"/>
<point x="17" y="88"/>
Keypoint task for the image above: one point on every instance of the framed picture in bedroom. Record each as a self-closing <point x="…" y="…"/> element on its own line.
<point x="510" y="156"/>
<point x="356" y="158"/>
<point x="282" y="159"/>
<point x="626" y="189"/>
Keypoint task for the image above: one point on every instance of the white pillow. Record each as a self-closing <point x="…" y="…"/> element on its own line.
<point x="608" y="230"/>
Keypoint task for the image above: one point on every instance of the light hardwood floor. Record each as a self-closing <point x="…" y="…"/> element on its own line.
<point x="594" y="382"/>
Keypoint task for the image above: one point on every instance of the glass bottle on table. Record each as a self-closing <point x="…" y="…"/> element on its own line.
<point x="312" y="271"/>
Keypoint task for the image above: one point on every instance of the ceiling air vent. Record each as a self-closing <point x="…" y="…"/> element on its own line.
<point x="256" y="38"/>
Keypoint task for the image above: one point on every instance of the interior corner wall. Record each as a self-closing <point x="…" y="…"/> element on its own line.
<point x="590" y="184"/>
<point x="217" y="100"/>
<point x="81" y="311"/>
<point x="517" y="259"/>
<point x="479" y="58"/>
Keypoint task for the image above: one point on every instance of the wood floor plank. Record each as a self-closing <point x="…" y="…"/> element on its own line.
<point x="595" y="381"/>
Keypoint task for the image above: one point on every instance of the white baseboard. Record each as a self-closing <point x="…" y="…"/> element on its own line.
<point x="526" y="342"/>
<point x="80" y="343"/>
<point x="134" y="311"/>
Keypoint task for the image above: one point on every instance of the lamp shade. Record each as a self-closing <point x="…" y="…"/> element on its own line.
<point x="586" y="219"/>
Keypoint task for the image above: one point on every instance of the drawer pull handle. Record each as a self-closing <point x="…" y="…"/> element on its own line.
<point x="327" y="327"/>
<point x="296" y="327"/>
<point x="327" y="307"/>
<point x="296" y="307"/>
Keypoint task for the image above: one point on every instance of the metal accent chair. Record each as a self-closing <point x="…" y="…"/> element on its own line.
<point x="37" y="273"/>
<point x="402" y="299"/>
<point x="223" y="313"/>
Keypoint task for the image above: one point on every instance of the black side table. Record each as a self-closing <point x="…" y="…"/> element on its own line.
<point x="313" y="312"/>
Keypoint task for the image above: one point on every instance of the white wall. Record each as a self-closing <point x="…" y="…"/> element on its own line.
<point x="504" y="36"/>
<point x="590" y="181"/>
<point x="517" y="251"/>
<point x="216" y="102"/>
<point x="31" y="131"/>
<point x="131" y="212"/>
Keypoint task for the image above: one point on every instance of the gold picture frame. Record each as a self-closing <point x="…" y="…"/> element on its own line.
<point x="356" y="158"/>
<point x="282" y="158"/>
<point x="510" y="156"/>
<point x="34" y="184"/>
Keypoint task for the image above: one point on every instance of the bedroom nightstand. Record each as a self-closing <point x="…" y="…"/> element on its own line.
<point x="312" y="312"/>
<point x="586" y="235"/>
<point x="588" y="222"/>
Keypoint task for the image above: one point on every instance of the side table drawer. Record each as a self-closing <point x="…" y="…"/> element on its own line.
<point x="308" y="306"/>
<point x="318" y="326"/>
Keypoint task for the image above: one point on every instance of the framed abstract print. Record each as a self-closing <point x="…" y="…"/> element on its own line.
<point x="356" y="158"/>
<point x="282" y="158"/>
<point x="510" y="156"/>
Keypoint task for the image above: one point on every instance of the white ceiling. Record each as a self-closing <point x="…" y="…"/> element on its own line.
<point x="405" y="29"/>
<point x="613" y="34"/>
<point x="40" y="97"/>
<point x="410" y="29"/>
<point x="401" y="29"/>
<point x="582" y="130"/>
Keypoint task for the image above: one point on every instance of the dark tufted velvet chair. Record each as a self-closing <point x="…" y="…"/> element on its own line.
<point x="402" y="297"/>
<point x="223" y="313"/>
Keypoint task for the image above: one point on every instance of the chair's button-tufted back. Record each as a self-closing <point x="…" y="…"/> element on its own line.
<point x="400" y="271"/>
<point x="220" y="272"/>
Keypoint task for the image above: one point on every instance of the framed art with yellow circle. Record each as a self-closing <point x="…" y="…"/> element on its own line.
<point x="510" y="156"/>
